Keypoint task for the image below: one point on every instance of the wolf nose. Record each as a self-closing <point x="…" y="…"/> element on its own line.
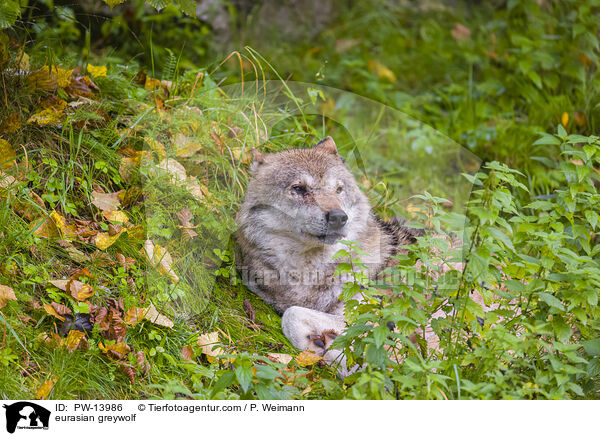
<point x="336" y="219"/>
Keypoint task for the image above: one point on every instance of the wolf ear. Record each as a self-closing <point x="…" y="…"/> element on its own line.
<point x="257" y="159"/>
<point x="327" y="145"/>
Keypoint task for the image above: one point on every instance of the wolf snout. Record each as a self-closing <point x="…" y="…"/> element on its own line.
<point x="336" y="219"/>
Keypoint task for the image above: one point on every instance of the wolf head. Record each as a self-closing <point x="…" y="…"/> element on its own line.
<point x="305" y="194"/>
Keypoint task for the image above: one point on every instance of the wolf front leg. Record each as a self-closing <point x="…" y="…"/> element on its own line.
<point x="309" y="329"/>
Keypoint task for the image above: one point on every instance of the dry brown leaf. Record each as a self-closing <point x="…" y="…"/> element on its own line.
<point x="74" y="253"/>
<point x="307" y="358"/>
<point x="280" y="357"/>
<point x="79" y="290"/>
<point x="60" y="284"/>
<point x="174" y="169"/>
<point x="7" y="182"/>
<point x="57" y="310"/>
<point x="126" y="262"/>
<point x="209" y="343"/>
<point x="43" y="79"/>
<point x="187" y="352"/>
<point x="580" y="119"/>
<point x="134" y="315"/>
<point x="155" y="317"/>
<point x="44" y="390"/>
<point x="6" y="294"/>
<point x="185" y="216"/>
<point x="142" y="363"/>
<point x="460" y="32"/>
<point x="106" y="202"/>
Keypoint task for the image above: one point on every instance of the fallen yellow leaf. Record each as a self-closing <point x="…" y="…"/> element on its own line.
<point x="118" y="347"/>
<point x="564" y="119"/>
<point x="160" y="257"/>
<point x="134" y="315"/>
<point x="115" y="216"/>
<point x="151" y="83"/>
<point x="45" y="117"/>
<point x="381" y="70"/>
<point x="45" y="228"/>
<point x="105" y="240"/>
<point x="63" y="77"/>
<point x="96" y="71"/>
<point x="7" y="154"/>
<point x="67" y="231"/>
<point x="71" y="342"/>
<point x="51" y="310"/>
<point x="10" y="124"/>
<point x="307" y="358"/>
<point x="44" y="390"/>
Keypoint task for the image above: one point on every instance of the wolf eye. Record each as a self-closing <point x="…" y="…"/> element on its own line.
<point x="340" y="189"/>
<point x="299" y="189"/>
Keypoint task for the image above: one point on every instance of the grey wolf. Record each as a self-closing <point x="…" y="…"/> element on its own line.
<point x="299" y="205"/>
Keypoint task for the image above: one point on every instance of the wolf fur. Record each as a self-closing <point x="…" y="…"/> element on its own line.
<point x="299" y="204"/>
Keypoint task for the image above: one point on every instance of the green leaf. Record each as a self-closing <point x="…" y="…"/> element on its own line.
<point x="244" y="376"/>
<point x="380" y="334"/>
<point x="498" y="235"/>
<point x="9" y="12"/>
<point x="592" y="218"/>
<point x="188" y="7"/>
<point x="515" y="286"/>
<point x="561" y="329"/>
<point x="551" y="301"/>
<point x="592" y="347"/>
<point x="224" y="381"/>
<point x="376" y="355"/>
<point x="159" y="4"/>
<point x="561" y="131"/>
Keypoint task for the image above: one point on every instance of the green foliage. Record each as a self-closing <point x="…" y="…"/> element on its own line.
<point x="536" y="265"/>
<point x="9" y="12"/>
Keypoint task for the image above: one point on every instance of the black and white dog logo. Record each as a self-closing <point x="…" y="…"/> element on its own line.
<point x="26" y="415"/>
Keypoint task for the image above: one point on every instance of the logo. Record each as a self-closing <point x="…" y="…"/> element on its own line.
<point x="26" y="415"/>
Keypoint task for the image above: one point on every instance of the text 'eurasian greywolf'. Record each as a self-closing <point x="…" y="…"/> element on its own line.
<point x="299" y="204"/>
